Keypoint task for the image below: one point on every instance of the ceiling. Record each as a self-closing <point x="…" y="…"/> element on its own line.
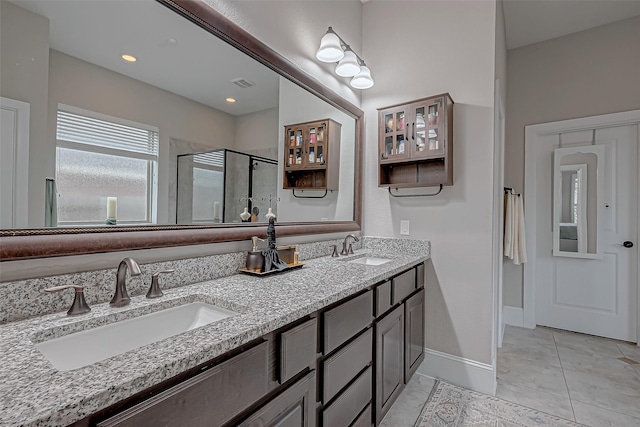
<point x="173" y="53"/>
<point x="533" y="21"/>
<point x="176" y="55"/>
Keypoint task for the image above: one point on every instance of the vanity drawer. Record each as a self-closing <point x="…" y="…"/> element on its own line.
<point x="403" y="284"/>
<point x="298" y="349"/>
<point x="364" y="420"/>
<point x="420" y="276"/>
<point x="345" y="409"/>
<point x="346" y="320"/>
<point x="383" y="298"/>
<point x="210" y="398"/>
<point x="342" y="367"/>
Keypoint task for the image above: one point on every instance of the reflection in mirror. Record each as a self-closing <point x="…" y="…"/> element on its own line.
<point x="577" y="185"/>
<point x="134" y="121"/>
<point x="220" y="185"/>
<point x="573" y="212"/>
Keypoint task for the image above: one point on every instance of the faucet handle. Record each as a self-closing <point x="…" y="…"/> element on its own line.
<point x="335" y="251"/>
<point x="350" y="250"/>
<point x="344" y="249"/>
<point x="79" y="305"/>
<point x="154" y="289"/>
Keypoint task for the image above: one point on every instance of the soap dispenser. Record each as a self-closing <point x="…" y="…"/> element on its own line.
<point x="255" y="259"/>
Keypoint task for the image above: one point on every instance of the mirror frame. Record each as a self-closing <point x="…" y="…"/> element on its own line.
<point x="46" y="242"/>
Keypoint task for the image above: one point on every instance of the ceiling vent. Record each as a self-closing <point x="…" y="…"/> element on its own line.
<point x="243" y="83"/>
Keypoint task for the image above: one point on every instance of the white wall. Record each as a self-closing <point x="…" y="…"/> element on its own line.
<point x="417" y="49"/>
<point x="592" y="72"/>
<point x="24" y="70"/>
<point x="299" y="106"/>
<point x="258" y="133"/>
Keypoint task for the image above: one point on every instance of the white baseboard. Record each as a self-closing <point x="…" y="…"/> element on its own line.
<point x="513" y="316"/>
<point x="459" y="371"/>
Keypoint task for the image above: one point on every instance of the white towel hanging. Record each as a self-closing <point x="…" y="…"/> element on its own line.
<point x="514" y="237"/>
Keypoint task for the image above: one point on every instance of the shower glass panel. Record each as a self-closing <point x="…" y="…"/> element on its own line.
<point x="216" y="186"/>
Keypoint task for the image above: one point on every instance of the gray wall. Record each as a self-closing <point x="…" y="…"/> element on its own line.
<point x="24" y="75"/>
<point x="454" y="53"/>
<point x="588" y="73"/>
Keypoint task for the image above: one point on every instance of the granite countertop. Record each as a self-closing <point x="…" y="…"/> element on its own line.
<point x="33" y="393"/>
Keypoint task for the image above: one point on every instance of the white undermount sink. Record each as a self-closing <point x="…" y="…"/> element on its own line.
<point x="93" y="345"/>
<point x="369" y="260"/>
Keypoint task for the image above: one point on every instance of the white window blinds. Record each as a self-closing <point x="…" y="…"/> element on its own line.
<point x="213" y="158"/>
<point x="112" y="134"/>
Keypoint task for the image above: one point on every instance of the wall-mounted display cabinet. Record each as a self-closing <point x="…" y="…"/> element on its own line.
<point x="312" y="155"/>
<point x="415" y="143"/>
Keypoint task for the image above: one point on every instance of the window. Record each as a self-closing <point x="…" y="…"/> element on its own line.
<point x="99" y="156"/>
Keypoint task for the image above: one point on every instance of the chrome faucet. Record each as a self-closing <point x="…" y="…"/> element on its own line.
<point x="348" y="251"/>
<point x="121" y="297"/>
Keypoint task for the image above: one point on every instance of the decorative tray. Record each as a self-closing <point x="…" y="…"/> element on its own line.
<point x="267" y="273"/>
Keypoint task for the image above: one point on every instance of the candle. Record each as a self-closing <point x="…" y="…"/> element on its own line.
<point x="112" y="207"/>
<point x="216" y="210"/>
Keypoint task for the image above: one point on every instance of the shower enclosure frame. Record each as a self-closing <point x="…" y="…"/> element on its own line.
<point x="250" y="166"/>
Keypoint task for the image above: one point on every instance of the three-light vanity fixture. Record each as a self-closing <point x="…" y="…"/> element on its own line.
<point x="334" y="49"/>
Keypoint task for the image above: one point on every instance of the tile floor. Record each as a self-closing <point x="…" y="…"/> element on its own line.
<point x="406" y="410"/>
<point x="574" y="376"/>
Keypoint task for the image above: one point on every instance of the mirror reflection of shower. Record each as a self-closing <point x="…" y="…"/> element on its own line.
<point x="216" y="186"/>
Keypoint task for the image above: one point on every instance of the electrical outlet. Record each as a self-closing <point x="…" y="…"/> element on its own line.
<point x="404" y="227"/>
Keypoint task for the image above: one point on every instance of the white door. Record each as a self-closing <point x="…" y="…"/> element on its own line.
<point x="593" y="296"/>
<point x="14" y="163"/>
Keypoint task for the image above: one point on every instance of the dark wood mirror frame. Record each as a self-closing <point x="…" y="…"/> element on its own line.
<point x="41" y="243"/>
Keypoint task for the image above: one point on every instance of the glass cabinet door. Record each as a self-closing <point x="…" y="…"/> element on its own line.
<point x="317" y="143"/>
<point x="427" y="129"/>
<point x="295" y="148"/>
<point x="394" y="133"/>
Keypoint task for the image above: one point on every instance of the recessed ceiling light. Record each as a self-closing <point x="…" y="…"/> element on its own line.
<point x="231" y="100"/>
<point x="128" y="58"/>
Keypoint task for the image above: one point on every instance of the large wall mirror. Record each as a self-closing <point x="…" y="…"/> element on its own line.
<point x="578" y="184"/>
<point x="154" y="123"/>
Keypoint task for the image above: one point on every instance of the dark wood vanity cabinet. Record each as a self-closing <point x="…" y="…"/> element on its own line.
<point x="414" y="334"/>
<point x="342" y="366"/>
<point x="415" y="143"/>
<point x="312" y="155"/>
<point x="211" y="398"/>
<point x="389" y="360"/>
<point x="399" y="336"/>
<point x="294" y="407"/>
<point x="346" y="364"/>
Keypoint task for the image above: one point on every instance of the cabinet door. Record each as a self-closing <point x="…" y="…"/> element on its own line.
<point x="427" y="128"/>
<point x="295" y="407"/>
<point x="414" y="334"/>
<point x="295" y="147"/>
<point x="389" y="360"/>
<point x="317" y="145"/>
<point x="393" y="130"/>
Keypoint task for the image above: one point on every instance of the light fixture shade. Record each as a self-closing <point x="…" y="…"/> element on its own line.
<point x="330" y="49"/>
<point x="363" y="79"/>
<point x="348" y="66"/>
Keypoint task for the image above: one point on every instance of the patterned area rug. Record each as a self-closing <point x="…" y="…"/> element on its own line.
<point x="453" y="406"/>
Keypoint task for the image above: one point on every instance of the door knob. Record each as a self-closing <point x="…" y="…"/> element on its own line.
<point x="628" y="244"/>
